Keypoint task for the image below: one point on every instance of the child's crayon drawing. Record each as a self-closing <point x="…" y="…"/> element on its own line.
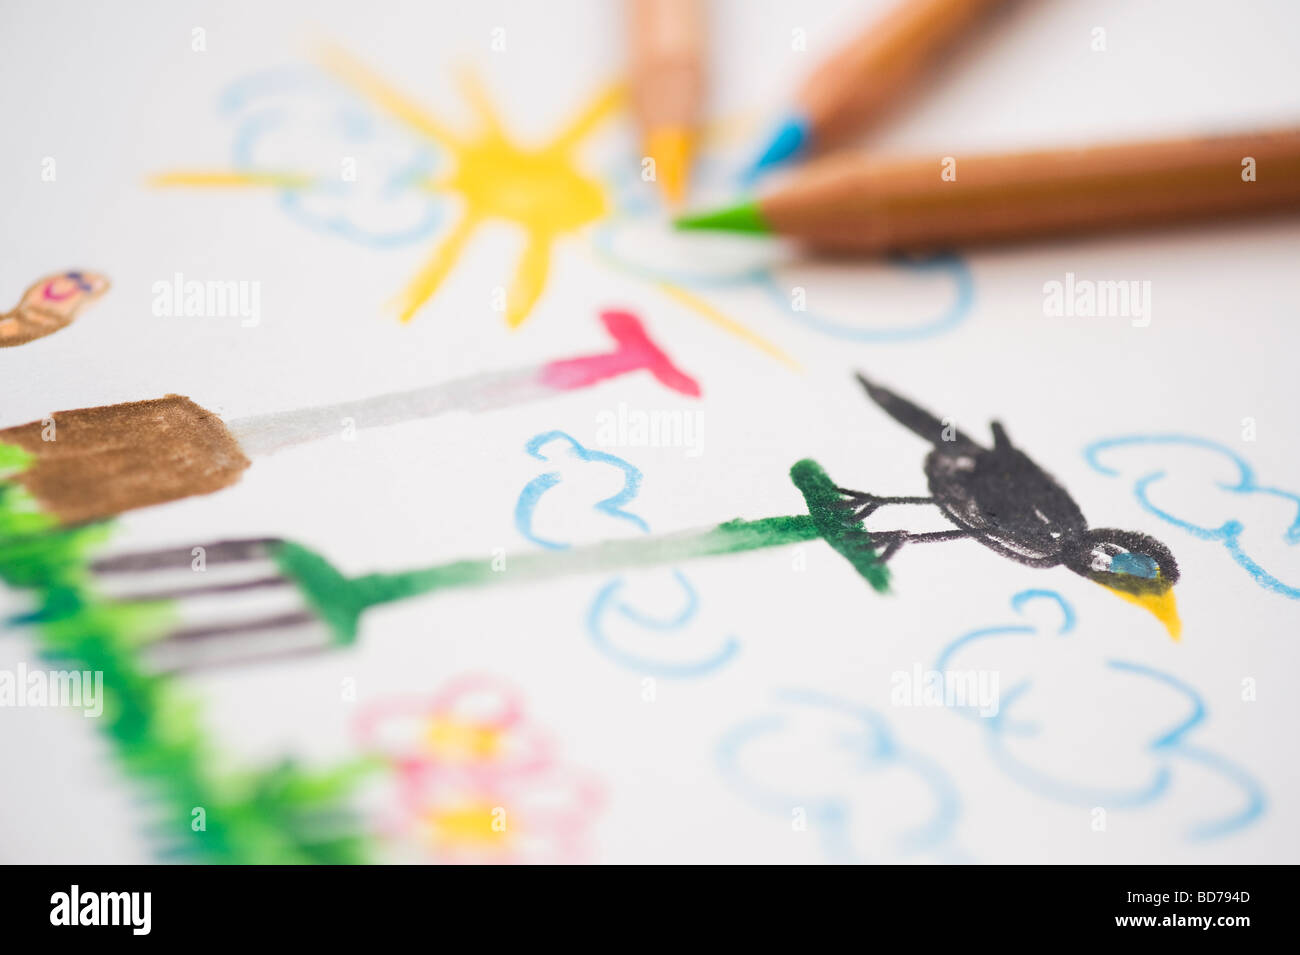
<point x="280" y="814"/>
<point x="655" y="654"/>
<point x="375" y="201"/>
<point x="847" y="759"/>
<point x="503" y="636"/>
<point x="611" y="604"/>
<point x="52" y="303"/>
<point x="472" y="784"/>
<point x="1033" y="724"/>
<point x="93" y="463"/>
<point x="468" y="777"/>
<point x="333" y="604"/>
<point x="542" y="190"/>
<point x="1224" y="489"/>
<point x="1001" y="498"/>
<point x="560" y="443"/>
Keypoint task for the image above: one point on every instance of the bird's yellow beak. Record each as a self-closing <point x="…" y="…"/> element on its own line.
<point x="1161" y="605"/>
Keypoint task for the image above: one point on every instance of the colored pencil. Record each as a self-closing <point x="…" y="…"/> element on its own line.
<point x="871" y="205"/>
<point x="667" y="44"/>
<point x="853" y="88"/>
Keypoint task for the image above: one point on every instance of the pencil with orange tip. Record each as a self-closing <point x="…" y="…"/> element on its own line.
<point x="667" y="42"/>
<point x="867" y="205"/>
<point x="854" y="87"/>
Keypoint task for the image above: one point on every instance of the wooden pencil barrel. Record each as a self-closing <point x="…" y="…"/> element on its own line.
<point x="864" y="79"/>
<point x="666" y="40"/>
<point x="858" y="204"/>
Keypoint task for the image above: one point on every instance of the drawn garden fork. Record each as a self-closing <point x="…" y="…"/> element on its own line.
<point x="331" y="604"/>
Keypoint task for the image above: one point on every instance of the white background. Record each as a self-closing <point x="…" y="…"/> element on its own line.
<point x="115" y="93"/>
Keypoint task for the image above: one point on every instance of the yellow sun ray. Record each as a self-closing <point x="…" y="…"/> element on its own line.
<point x="386" y="97"/>
<point x="445" y="255"/>
<point x="542" y="190"/>
<point x="605" y="105"/>
<point x="476" y="94"/>
<point x="233" y="178"/>
<point x="727" y="324"/>
<point x="530" y="278"/>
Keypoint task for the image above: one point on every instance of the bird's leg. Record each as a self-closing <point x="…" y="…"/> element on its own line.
<point x="864" y="504"/>
<point x="893" y="540"/>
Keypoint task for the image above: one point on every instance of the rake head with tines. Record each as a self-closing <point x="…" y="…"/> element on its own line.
<point x="276" y="623"/>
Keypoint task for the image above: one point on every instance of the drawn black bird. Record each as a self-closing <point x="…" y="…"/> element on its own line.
<point x="1001" y="498"/>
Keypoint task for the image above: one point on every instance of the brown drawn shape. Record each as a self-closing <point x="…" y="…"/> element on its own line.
<point x="103" y="461"/>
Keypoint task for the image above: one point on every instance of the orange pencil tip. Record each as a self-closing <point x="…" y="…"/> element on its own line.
<point x="671" y="149"/>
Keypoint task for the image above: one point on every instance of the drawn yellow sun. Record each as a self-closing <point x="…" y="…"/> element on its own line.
<point x="541" y="190"/>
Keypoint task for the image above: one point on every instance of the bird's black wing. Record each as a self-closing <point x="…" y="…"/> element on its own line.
<point x="916" y="419"/>
<point x="1001" y="443"/>
<point x="1006" y="500"/>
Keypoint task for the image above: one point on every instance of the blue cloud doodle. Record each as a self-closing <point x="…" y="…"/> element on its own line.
<point x="610" y="600"/>
<point x="1167" y="748"/>
<point x="1227" y="533"/>
<point x="268" y="105"/>
<point x="532" y="493"/>
<point x="867" y="746"/>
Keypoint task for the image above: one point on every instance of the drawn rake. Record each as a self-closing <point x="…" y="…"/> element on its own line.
<point x="332" y="603"/>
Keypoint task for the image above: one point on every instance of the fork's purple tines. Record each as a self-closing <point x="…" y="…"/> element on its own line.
<point x="179" y="558"/>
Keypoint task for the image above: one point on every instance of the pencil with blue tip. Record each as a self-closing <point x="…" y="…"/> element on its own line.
<point x="667" y="43"/>
<point x="856" y="86"/>
<point x="861" y="204"/>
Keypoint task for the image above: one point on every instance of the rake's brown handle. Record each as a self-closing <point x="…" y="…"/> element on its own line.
<point x="93" y="463"/>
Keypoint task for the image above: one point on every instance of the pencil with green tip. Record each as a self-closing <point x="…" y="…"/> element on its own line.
<point x="667" y="42"/>
<point x="867" y="77"/>
<point x="860" y="204"/>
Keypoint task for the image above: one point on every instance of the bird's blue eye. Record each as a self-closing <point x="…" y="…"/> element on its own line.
<point x="1135" y="565"/>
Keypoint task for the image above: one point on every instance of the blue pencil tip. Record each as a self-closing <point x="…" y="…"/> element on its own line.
<point x="789" y="140"/>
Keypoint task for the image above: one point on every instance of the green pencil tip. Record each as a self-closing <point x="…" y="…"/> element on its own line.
<point x="746" y="217"/>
